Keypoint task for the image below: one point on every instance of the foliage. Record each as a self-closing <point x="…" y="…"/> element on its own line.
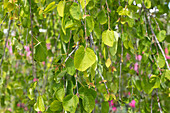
<point x="84" y="55"/>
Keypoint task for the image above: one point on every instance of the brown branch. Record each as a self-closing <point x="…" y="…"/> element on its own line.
<point x="32" y="50"/>
<point x="153" y="33"/>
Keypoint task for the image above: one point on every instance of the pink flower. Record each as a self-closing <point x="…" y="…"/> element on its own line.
<point x="39" y="112"/>
<point x="28" y="53"/>
<point x="132" y="104"/>
<point x="128" y="56"/>
<point x="10" y="49"/>
<point x="27" y="48"/>
<point x="143" y="52"/>
<point x="129" y="93"/>
<point x="136" y="67"/>
<point x="167" y="57"/>
<point x="9" y="109"/>
<point x="139" y="57"/>
<point x="166" y="51"/>
<point x="112" y="102"/>
<point x="25" y="108"/>
<point x="48" y="46"/>
<point x="114" y="109"/>
<point x="43" y="62"/>
<point x="35" y="79"/>
<point x="18" y="105"/>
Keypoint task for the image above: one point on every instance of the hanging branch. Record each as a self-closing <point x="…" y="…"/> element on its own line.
<point x="6" y="40"/>
<point x="85" y="28"/>
<point x="91" y="43"/>
<point x="77" y="82"/>
<point x="3" y="20"/>
<point x="108" y="10"/>
<point x="153" y="33"/>
<point x="103" y="81"/>
<point x="72" y="52"/>
<point x="121" y="60"/>
<point x="32" y="50"/>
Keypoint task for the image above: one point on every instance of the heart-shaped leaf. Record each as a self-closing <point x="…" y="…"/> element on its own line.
<point x="84" y="58"/>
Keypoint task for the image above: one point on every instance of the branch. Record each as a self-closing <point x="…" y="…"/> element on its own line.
<point x="108" y="10"/>
<point x="85" y="29"/>
<point x="157" y="41"/>
<point x="72" y="52"/>
<point x="103" y="81"/>
<point x="32" y="50"/>
<point x="6" y="40"/>
<point x="91" y="42"/>
<point x="3" y="20"/>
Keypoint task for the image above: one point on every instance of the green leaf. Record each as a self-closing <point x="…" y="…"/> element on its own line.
<point x="161" y="35"/>
<point x="108" y="37"/>
<point x="88" y="102"/>
<point x="41" y="103"/>
<point x="82" y="2"/>
<point x="10" y="6"/>
<point x="84" y="58"/>
<point x="40" y="52"/>
<point x="102" y="18"/>
<point x="130" y="2"/>
<point x="60" y="8"/>
<point x="147" y="3"/>
<point x="108" y="62"/>
<point x="160" y="61"/>
<point x="65" y="38"/>
<point x="70" y="66"/>
<point x="90" y="24"/>
<point x="56" y="106"/>
<point x="75" y="11"/>
<point x="70" y="103"/>
<point x="60" y="93"/>
<point x="50" y="7"/>
<point x="105" y="107"/>
<point x="113" y="50"/>
<point x="167" y="74"/>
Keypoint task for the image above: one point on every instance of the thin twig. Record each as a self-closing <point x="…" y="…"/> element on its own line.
<point x="3" y="20"/>
<point x="71" y="52"/>
<point x="77" y="82"/>
<point x="108" y="10"/>
<point x="159" y="105"/>
<point x="32" y="50"/>
<point x="103" y="81"/>
<point x="121" y="61"/>
<point x="6" y="40"/>
<point x="85" y="28"/>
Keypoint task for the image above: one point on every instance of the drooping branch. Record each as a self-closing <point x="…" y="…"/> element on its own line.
<point x="108" y="10"/>
<point x="6" y="40"/>
<point x="153" y="33"/>
<point x="72" y="52"/>
<point x="85" y="28"/>
<point x="3" y="20"/>
<point x="103" y="81"/>
<point x="91" y="43"/>
<point x="32" y="50"/>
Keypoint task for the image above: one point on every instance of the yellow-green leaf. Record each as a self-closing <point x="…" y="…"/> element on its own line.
<point x="60" y="8"/>
<point x="84" y="58"/>
<point x="108" y="37"/>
